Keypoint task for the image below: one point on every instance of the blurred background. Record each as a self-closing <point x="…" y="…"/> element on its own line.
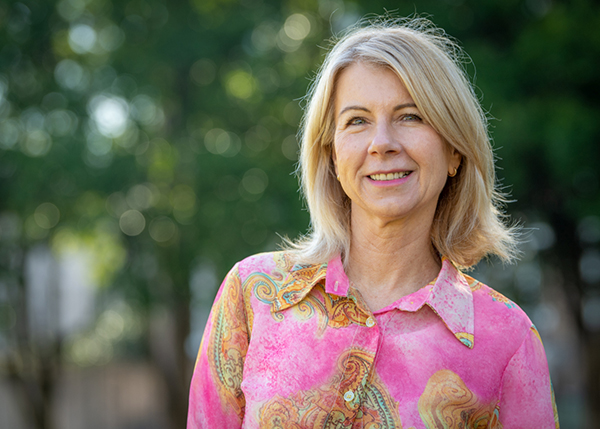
<point x="146" y="146"/>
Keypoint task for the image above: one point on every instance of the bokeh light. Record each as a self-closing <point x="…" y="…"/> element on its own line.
<point x="290" y="148"/>
<point x="183" y="200"/>
<point x="111" y="37"/>
<point x="220" y="142"/>
<point x="143" y="196"/>
<point x="61" y="122"/>
<point x="254" y="182"/>
<point x="47" y="215"/>
<point x="589" y="266"/>
<point x="82" y="38"/>
<point x="240" y="84"/>
<point x="71" y="75"/>
<point x="36" y="143"/>
<point x="589" y="229"/>
<point x="110" y="114"/>
<point x="297" y="26"/>
<point x="591" y="313"/>
<point x="162" y="229"/>
<point x="10" y="133"/>
<point x="132" y="222"/>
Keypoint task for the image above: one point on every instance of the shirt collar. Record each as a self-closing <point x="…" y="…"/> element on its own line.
<point x="451" y="299"/>
<point x="449" y="296"/>
<point x="297" y="284"/>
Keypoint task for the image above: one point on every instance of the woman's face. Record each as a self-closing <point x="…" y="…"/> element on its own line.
<point x="391" y="163"/>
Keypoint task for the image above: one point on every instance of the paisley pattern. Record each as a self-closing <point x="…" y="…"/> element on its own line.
<point x="465" y="338"/>
<point x="265" y="289"/>
<point x="286" y="285"/>
<point x="332" y="310"/>
<point x="473" y="284"/>
<point x="555" y="410"/>
<point x="447" y="403"/>
<point x="498" y="297"/>
<point x="228" y="345"/>
<point x="371" y="405"/>
<point x="536" y="333"/>
<point x="289" y="346"/>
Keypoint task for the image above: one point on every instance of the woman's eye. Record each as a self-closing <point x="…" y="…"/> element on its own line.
<point x="410" y="117"/>
<point x="357" y="121"/>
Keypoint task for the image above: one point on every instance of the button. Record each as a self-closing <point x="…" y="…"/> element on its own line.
<point x="349" y="395"/>
<point x="370" y="322"/>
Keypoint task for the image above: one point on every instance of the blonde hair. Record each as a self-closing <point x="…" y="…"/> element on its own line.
<point x="468" y="223"/>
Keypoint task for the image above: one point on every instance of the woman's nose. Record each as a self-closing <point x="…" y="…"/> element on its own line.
<point x="383" y="140"/>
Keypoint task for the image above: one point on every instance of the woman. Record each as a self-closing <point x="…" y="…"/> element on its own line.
<point x="368" y="321"/>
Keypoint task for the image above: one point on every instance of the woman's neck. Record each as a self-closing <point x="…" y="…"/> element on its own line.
<point x="389" y="261"/>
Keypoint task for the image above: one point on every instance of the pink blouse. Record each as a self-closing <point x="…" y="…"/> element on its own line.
<point x="295" y="346"/>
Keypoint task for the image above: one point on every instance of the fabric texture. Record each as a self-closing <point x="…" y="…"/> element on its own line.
<point x="295" y="346"/>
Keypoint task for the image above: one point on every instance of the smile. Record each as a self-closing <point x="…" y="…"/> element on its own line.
<point x="389" y="176"/>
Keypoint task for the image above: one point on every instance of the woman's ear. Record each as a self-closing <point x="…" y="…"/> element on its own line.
<point x="334" y="159"/>
<point x="455" y="159"/>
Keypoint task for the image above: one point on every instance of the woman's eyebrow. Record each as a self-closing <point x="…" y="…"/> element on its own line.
<point x="345" y="109"/>
<point x="364" y="109"/>
<point x="404" y="106"/>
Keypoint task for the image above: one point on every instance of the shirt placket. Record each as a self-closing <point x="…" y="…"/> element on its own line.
<point x="360" y="364"/>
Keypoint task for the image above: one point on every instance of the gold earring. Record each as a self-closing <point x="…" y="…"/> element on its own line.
<point x="338" y="177"/>
<point x="453" y="173"/>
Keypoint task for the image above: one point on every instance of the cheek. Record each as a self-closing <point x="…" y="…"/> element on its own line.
<point x="342" y="154"/>
<point x="437" y="152"/>
<point x="346" y="162"/>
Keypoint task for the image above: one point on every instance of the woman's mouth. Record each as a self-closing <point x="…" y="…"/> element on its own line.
<point x="389" y="176"/>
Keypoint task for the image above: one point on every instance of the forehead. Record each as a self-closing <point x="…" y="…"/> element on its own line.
<point x="369" y="84"/>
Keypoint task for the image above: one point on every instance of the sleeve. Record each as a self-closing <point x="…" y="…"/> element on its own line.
<point x="527" y="397"/>
<point x="216" y="399"/>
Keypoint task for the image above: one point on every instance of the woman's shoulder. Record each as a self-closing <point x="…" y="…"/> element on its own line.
<point x="496" y="312"/>
<point x="276" y="264"/>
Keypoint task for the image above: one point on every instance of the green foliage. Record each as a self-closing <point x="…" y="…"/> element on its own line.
<point x="160" y="136"/>
<point x="186" y="113"/>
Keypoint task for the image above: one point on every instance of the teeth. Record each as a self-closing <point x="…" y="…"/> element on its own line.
<point x="389" y="176"/>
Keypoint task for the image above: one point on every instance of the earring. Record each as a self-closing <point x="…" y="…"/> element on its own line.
<point x="453" y="173"/>
<point x="338" y="177"/>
